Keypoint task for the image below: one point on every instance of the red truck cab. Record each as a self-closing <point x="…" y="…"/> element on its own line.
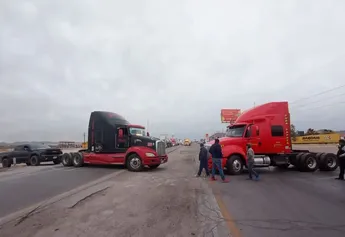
<point x="113" y="140"/>
<point x="266" y="128"/>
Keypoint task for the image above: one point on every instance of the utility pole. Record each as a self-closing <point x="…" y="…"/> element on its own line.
<point x="84" y="137"/>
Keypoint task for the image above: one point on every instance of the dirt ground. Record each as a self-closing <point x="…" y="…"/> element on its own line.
<point x="168" y="201"/>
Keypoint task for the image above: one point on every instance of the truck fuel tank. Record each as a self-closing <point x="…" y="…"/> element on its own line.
<point x="262" y="161"/>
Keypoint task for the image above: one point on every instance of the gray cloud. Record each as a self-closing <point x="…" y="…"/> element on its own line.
<point x="174" y="63"/>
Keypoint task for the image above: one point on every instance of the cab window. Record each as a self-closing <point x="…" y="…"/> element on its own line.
<point x="277" y="131"/>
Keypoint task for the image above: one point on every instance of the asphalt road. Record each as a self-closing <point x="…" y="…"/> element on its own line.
<point x="284" y="203"/>
<point x="23" y="186"/>
<point x="29" y="185"/>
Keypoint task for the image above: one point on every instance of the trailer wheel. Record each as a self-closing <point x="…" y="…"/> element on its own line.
<point x="318" y="157"/>
<point x="34" y="160"/>
<point x="328" y="162"/>
<point x="6" y="162"/>
<point x="234" y="165"/>
<point x="134" y="163"/>
<point x="152" y="167"/>
<point x="78" y="159"/>
<point x="66" y="159"/>
<point x="310" y="163"/>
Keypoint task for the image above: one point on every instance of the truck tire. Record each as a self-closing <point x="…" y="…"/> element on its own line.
<point x="328" y="162"/>
<point x="34" y="160"/>
<point x="66" y="159"/>
<point x="6" y="162"/>
<point x="299" y="161"/>
<point x="78" y="159"/>
<point x="234" y="165"/>
<point x="318" y="156"/>
<point x="152" y="167"/>
<point x="134" y="163"/>
<point x="309" y="162"/>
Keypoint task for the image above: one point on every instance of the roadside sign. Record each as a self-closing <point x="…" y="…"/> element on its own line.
<point x="229" y="115"/>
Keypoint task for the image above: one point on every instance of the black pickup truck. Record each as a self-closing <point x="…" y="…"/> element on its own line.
<point x="31" y="154"/>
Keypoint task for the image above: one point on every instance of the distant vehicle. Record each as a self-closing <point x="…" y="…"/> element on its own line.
<point x="187" y="142"/>
<point x="31" y="154"/>
<point x="113" y="140"/>
<point x="267" y="128"/>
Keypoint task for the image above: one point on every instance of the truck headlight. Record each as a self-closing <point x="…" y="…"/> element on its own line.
<point x="149" y="154"/>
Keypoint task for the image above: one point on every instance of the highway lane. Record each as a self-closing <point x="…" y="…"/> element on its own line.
<point x="284" y="203"/>
<point x="31" y="185"/>
<point x="23" y="186"/>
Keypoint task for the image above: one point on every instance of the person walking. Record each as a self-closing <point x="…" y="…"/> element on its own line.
<point x="203" y="158"/>
<point x="217" y="155"/>
<point x="250" y="163"/>
<point x="341" y="158"/>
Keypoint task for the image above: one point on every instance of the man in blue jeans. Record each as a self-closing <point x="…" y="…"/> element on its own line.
<point x="217" y="155"/>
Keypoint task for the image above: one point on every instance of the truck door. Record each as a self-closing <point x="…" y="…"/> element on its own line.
<point x="21" y="153"/>
<point x="122" y="139"/>
<point x="253" y="136"/>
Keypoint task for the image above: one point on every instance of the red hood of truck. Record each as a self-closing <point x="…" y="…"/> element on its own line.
<point x="226" y="140"/>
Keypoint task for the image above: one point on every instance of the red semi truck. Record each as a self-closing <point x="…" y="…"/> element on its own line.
<point x="267" y="129"/>
<point x="113" y="140"/>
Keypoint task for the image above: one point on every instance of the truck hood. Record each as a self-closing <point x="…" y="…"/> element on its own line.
<point x="225" y="140"/>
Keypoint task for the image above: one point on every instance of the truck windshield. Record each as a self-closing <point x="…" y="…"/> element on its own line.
<point x="137" y="131"/>
<point x="235" y="131"/>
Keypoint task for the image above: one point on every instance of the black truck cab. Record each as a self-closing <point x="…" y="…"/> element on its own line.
<point x="111" y="133"/>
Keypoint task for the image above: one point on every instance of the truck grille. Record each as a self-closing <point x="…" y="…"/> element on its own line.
<point x="160" y="148"/>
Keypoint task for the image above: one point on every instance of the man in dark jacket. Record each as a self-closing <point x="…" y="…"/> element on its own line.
<point x="203" y="158"/>
<point x="341" y="158"/>
<point x="217" y="155"/>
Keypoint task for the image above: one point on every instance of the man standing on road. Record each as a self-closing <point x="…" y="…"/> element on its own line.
<point x="217" y="155"/>
<point x="250" y="163"/>
<point x="341" y="158"/>
<point x="203" y="156"/>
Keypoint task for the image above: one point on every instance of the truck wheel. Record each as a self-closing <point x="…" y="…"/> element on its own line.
<point x="299" y="161"/>
<point x="328" y="162"/>
<point x="309" y="162"/>
<point x="78" y="159"/>
<point x="134" y="163"/>
<point x="6" y="162"/>
<point x="34" y="160"/>
<point x="67" y="159"/>
<point x="318" y="156"/>
<point x="234" y="165"/>
<point x="152" y="167"/>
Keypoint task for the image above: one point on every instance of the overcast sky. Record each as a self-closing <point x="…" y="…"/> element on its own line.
<point x="174" y="63"/>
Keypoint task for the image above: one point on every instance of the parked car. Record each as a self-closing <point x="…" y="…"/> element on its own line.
<point x="31" y="154"/>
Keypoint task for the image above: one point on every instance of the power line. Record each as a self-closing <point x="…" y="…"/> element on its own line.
<point x="320" y="93"/>
<point x="323" y="99"/>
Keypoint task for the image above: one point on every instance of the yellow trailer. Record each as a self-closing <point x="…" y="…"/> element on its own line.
<point x="331" y="138"/>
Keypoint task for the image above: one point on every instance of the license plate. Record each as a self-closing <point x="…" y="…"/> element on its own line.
<point x="54" y="157"/>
